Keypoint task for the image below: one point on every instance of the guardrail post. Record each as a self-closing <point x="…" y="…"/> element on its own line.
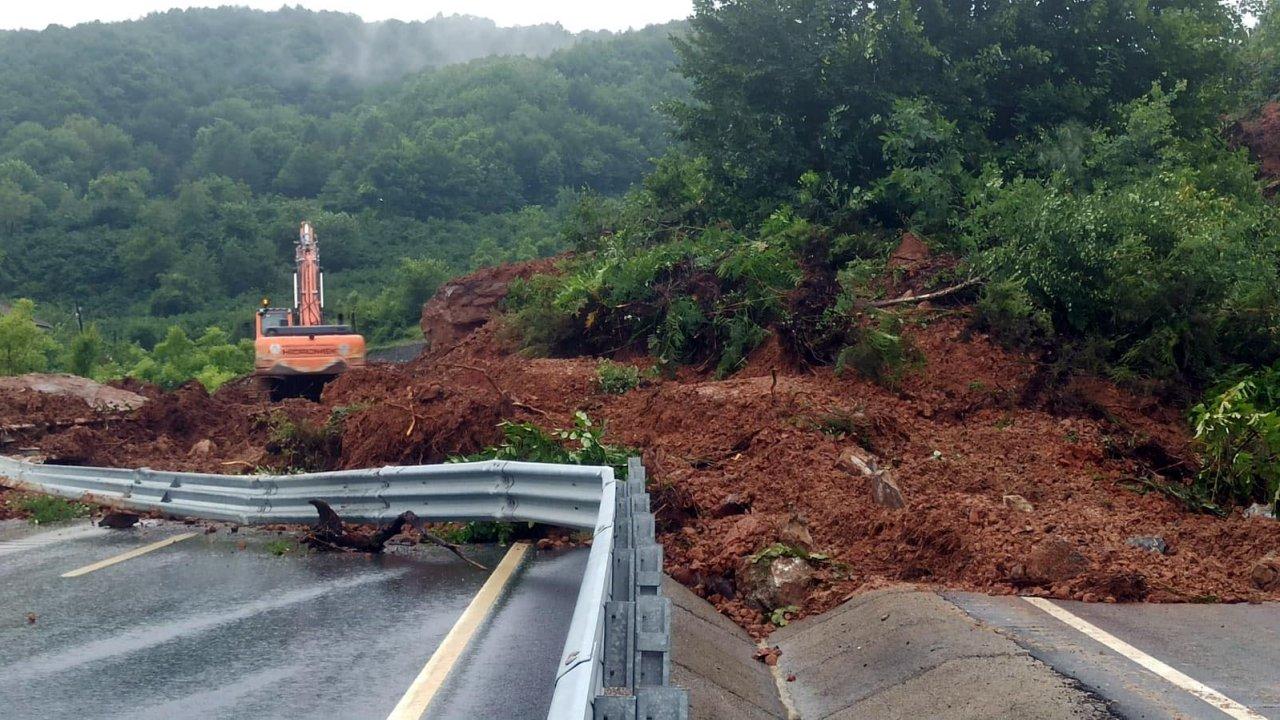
<point x="662" y="703"/>
<point x="619" y="644"/>
<point x="614" y="707"/>
<point x="653" y="641"/>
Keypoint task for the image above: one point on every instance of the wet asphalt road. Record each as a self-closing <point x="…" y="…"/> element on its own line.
<point x="1233" y="649"/>
<point x="217" y="626"/>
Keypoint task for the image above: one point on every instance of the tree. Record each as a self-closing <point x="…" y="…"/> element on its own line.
<point x="87" y="352"/>
<point x="24" y="347"/>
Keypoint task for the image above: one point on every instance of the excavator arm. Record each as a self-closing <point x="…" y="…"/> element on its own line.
<point x="294" y="348"/>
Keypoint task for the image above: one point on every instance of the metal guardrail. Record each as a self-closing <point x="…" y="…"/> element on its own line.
<point x="616" y="659"/>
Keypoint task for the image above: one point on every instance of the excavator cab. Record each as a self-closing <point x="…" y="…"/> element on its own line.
<point x="295" y="352"/>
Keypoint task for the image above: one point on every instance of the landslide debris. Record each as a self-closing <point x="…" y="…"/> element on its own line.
<point x="971" y="472"/>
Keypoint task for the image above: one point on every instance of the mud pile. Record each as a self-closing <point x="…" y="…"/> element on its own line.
<point x="1260" y="133"/>
<point x="1004" y="487"/>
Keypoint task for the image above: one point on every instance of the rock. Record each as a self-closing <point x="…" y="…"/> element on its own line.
<point x="778" y="583"/>
<point x="1266" y="573"/>
<point x="119" y="520"/>
<point x="204" y="448"/>
<point x="1052" y="560"/>
<point x="852" y="460"/>
<point x="733" y="504"/>
<point x="1018" y="502"/>
<point x="1260" y="510"/>
<point x="1154" y="543"/>
<point x="884" y="489"/>
<point x="95" y="395"/>
<point x="795" y="532"/>
<point x="768" y="655"/>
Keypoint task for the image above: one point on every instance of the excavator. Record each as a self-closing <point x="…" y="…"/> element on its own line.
<point x="295" y="352"/>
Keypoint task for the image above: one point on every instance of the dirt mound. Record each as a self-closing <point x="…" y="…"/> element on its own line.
<point x="1005" y="487"/>
<point x="1261" y="134"/>
<point x="94" y="395"/>
<point x="462" y="305"/>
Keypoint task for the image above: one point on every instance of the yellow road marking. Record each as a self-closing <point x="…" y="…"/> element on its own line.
<point x="129" y="555"/>
<point x="1191" y="685"/>
<point x="424" y="687"/>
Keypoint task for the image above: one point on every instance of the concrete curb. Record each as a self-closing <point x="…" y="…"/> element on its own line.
<point x="714" y="659"/>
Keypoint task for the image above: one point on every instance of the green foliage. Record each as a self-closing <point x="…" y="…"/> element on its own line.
<point x="24" y="347"/>
<point x="482" y="531"/>
<point x="45" y="509"/>
<point x="583" y="444"/>
<point x="616" y="378"/>
<point x="881" y="352"/>
<point x="1005" y="309"/>
<point x="782" y="88"/>
<point x="1165" y="250"/>
<point x="211" y="358"/>
<point x="781" y="617"/>
<point x="1240" y="431"/>
<point x="280" y="547"/>
<point x="87" y="352"/>
<point x="160" y="167"/>
<point x="305" y="446"/>
<point x="781" y="550"/>
<point x="703" y="296"/>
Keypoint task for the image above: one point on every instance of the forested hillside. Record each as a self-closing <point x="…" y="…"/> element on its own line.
<point x="155" y="171"/>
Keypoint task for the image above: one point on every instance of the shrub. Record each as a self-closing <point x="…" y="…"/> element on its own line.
<point x="616" y="378"/>
<point x="1240" y="432"/>
<point x="881" y="352"/>
<point x="583" y="444"/>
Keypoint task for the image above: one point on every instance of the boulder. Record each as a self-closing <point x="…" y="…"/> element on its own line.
<point x="95" y="395"/>
<point x="1266" y="573"/>
<point x="1051" y="561"/>
<point x="1154" y="543"/>
<point x="1018" y="502"/>
<point x="884" y="490"/>
<point x="770" y="585"/>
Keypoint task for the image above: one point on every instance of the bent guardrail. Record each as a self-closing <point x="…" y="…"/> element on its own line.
<point x="616" y="659"/>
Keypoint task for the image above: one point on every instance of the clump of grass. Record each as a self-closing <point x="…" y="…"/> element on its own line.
<point x="616" y="378"/>
<point x="485" y="531"/>
<point x="45" y="509"/>
<point x="281" y="547"/>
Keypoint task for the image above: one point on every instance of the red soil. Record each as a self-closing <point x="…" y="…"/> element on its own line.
<point x="738" y="464"/>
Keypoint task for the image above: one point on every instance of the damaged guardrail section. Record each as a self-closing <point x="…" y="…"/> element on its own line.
<point x="616" y="660"/>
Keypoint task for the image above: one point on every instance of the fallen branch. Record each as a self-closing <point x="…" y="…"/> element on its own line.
<point x="503" y="394"/>
<point x="330" y="533"/>
<point x="926" y="296"/>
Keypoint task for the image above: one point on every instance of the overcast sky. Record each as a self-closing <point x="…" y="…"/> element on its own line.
<point x="573" y="14"/>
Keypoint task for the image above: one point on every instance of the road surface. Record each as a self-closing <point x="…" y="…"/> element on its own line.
<point x="1151" y="661"/>
<point x="219" y="626"/>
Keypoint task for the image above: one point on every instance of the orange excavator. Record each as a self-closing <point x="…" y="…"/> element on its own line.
<point x="294" y="350"/>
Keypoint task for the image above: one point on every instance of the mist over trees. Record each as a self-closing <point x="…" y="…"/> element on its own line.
<point x="155" y="171"/>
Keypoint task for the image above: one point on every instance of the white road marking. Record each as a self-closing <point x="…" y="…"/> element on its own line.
<point x="51" y="537"/>
<point x="1191" y="685"/>
<point x="431" y="679"/>
<point x="128" y="555"/>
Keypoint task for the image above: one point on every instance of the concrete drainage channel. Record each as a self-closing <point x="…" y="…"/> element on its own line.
<point x="616" y="662"/>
